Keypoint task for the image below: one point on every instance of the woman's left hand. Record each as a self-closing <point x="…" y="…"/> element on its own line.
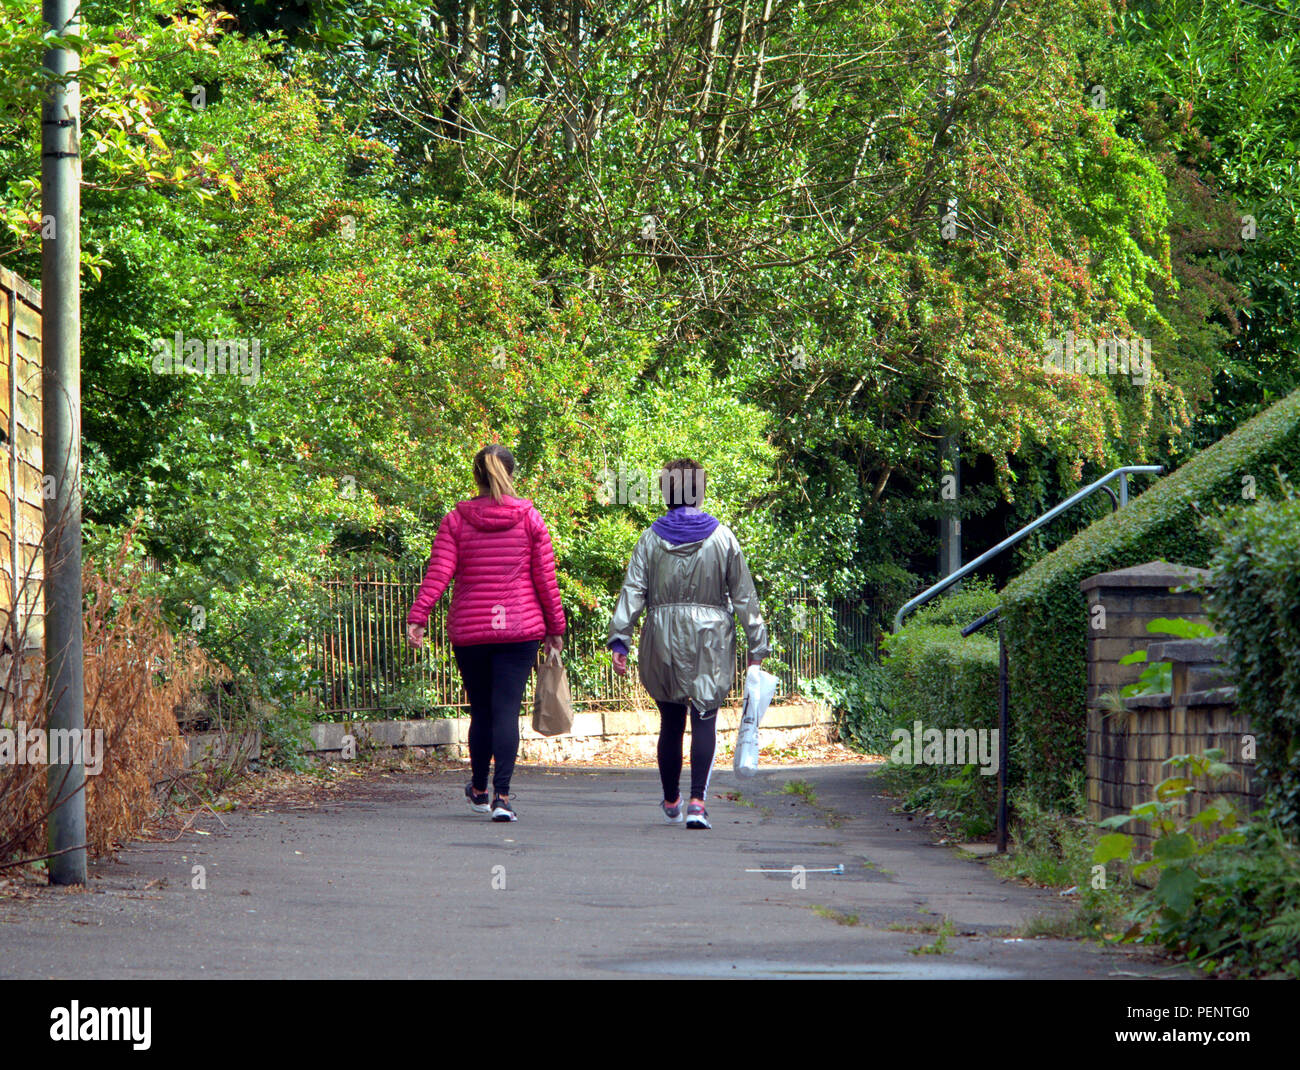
<point x="553" y="645"/>
<point x="415" y="635"/>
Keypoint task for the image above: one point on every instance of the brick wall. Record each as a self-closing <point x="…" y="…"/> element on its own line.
<point x="1130" y="740"/>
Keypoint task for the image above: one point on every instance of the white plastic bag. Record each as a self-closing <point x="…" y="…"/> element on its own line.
<point x="760" y="686"/>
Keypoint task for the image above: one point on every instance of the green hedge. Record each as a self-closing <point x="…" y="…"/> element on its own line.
<point x="1044" y="610"/>
<point x="943" y="680"/>
<point x="1254" y="601"/>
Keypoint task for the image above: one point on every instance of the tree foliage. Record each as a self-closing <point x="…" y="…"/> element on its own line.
<point x="804" y="243"/>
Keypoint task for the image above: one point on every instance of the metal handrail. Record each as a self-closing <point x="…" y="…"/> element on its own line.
<point x="1121" y="474"/>
<point x="988" y="618"/>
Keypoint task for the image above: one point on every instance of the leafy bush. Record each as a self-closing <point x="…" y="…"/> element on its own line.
<point x="858" y="696"/>
<point x="1254" y="598"/>
<point x="972" y="599"/>
<point x="1244" y="915"/>
<point x="1228" y="895"/>
<point x="965" y="800"/>
<point x="944" y="680"/>
<point x="286" y="732"/>
<point x="1045" y="618"/>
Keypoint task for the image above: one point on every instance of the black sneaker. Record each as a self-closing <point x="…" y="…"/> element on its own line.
<point x="502" y="810"/>
<point x="478" y="800"/>
<point x="697" y="817"/>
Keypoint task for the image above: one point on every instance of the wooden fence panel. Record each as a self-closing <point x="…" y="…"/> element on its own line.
<point x="22" y="518"/>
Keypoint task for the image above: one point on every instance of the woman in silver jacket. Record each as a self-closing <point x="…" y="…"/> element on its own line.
<point x="688" y="575"/>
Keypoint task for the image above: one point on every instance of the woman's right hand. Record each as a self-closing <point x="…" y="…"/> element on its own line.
<point x="620" y="662"/>
<point x="415" y="635"/>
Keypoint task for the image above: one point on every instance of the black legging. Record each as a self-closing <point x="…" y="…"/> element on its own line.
<point x="495" y="675"/>
<point x="672" y="727"/>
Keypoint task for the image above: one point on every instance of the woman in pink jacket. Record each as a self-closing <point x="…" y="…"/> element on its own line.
<point x="497" y="549"/>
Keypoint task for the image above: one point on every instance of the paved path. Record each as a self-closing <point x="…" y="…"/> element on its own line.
<point x="395" y="879"/>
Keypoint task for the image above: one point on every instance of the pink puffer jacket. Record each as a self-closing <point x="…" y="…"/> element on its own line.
<point x="501" y="559"/>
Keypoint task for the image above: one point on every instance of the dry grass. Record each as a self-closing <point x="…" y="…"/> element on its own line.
<point x="136" y="674"/>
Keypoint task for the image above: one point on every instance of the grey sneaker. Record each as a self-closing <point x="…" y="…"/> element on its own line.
<point x="672" y="814"/>
<point x="478" y="800"/>
<point x="697" y="817"/>
<point x="502" y="810"/>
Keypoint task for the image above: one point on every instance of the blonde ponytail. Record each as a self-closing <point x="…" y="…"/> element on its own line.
<point x="499" y="479"/>
<point x="493" y="472"/>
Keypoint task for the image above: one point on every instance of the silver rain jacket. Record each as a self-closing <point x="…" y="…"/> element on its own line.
<point x="689" y="594"/>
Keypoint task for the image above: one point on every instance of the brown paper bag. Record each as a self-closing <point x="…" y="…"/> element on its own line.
<point x="552" y="703"/>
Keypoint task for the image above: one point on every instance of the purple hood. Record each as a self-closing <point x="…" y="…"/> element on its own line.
<point x="684" y="524"/>
<point x="679" y="526"/>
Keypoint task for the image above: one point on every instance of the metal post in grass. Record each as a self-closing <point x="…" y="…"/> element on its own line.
<point x="61" y="447"/>
<point x="950" y="444"/>
<point x="1004" y="731"/>
<point x="1004" y="716"/>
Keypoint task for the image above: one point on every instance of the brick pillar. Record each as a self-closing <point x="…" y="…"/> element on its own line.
<point x="1120" y="604"/>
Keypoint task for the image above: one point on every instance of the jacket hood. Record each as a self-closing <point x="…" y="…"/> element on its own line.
<point x="679" y="528"/>
<point x="488" y="515"/>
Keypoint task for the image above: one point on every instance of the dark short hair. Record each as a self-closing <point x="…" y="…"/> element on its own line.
<point x="681" y="482"/>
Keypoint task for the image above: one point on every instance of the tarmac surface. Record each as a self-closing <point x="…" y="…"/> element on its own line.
<point x="397" y="878"/>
